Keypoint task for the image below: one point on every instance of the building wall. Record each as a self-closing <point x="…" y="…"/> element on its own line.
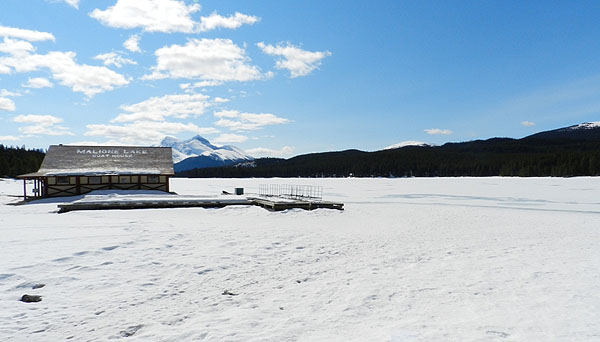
<point x="76" y="185"/>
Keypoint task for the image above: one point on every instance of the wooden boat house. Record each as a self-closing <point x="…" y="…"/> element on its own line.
<point x="74" y="170"/>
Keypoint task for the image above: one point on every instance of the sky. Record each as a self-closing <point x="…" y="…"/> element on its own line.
<point x="282" y="78"/>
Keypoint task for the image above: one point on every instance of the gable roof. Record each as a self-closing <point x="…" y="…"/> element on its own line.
<point x="63" y="160"/>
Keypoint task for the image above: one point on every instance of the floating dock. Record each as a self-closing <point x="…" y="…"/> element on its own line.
<point x="272" y="204"/>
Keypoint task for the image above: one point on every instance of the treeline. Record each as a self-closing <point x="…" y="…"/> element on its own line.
<point x="16" y="161"/>
<point x="493" y="157"/>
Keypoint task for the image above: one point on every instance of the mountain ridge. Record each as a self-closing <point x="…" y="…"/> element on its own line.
<point x="583" y="131"/>
<point x="569" y="151"/>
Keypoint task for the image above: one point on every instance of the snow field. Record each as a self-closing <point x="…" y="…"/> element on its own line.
<point x="442" y="259"/>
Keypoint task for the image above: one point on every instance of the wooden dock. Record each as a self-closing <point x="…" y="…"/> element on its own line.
<point x="267" y="203"/>
<point x="274" y="205"/>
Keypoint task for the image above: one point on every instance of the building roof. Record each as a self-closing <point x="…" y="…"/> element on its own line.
<point x="63" y="160"/>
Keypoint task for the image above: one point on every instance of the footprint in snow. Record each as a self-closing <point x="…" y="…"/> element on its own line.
<point x="130" y="331"/>
<point x="6" y="275"/>
<point x="62" y="259"/>
<point x="497" y="333"/>
<point x="205" y="271"/>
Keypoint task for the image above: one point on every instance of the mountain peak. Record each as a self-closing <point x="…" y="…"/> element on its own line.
<point x="200" y="146"/>
<point x="168" y="141"/>
<point x="201" y="139"/>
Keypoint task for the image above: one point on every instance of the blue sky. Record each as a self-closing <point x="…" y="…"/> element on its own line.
<point x="282" y="78"/>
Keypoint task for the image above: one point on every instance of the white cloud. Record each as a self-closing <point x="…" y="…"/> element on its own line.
<point x="227" y="114"/>
<point x="15" y="47"/>
<point x="438" y="131"/>
<point x="4" y="92"/>
<point x="48" y="120"/>
<point x="144" y="132"/>
<point x="299" y="62"/>
<point x="44" y="130"/>
<point x="406" y="143"/>
<point x="7" y="104"/>
<point x="21" y="57"/>
<point x="215" y="21"/>
<point x="38" y="82"/>
<point x="267" y="152"/>
<point x="72" y="3"/>
<point x="151" y="15"/>
<point x="167" y="16"/>
<point x="112" y="58"/>
<point x="220" y="100"/>
<point x="41" y="125"/>
<point x="527" y="123"/>
<point x="203" y="84"/>
<point x="237" y="121"/>
<point x="230" y="138"/>
<point x="30" y="35"/>
<point x="158" y="108"/>
<point x="8" y="138"/>
<point x="206" y="59"/>
<point x="86" y="79"/>
<point x="190" y="87"/>
<point x="133" y="43"/>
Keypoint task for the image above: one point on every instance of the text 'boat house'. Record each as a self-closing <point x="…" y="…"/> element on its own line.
<point x="74" y="170"/>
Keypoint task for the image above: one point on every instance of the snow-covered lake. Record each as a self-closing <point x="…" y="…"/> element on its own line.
<point x="437" y="259"/>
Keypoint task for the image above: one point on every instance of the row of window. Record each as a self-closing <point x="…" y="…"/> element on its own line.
<point x="98" y="179"/>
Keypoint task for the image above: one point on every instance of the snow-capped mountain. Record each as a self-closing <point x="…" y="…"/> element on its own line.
<point x="583" y="131"/>
<point x="406" y="143"/>
<point x="586" y="125"/>
<point x="198" y="152"/>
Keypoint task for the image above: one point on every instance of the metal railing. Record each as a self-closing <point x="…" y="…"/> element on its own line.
<point x="291" y="191"/>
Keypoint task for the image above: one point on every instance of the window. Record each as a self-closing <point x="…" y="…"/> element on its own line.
<point x="95" y="180"/>
<point x="152" y="179"/>
<point x="62" y="180"/>
<point x="124" y="179"/>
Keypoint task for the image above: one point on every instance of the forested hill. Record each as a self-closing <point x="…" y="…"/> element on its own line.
<point x="17" y="161"/>
<point x="571" y="151"/>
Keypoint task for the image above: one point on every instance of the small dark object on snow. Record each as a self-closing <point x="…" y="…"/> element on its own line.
<point x="131" y="330"/>
<point x="38" y="286"/>
<point x="226" y="192"/>
<point x="31" y="298"/>
<point x="298" y="281"/>
<point x="229" y="293"/>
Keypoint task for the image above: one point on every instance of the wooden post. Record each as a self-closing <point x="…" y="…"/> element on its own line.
<point x="24" y="189"/>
